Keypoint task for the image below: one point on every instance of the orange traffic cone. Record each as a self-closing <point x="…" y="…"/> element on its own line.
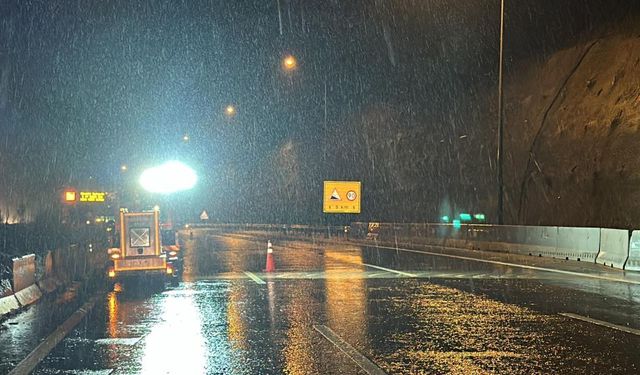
<point x="271" y="264"/>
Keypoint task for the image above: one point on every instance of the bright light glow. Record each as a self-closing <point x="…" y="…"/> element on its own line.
<point x="112" y="273"/>
<point x="123" y="167"/>
<point x="230" y="110"/>
<point x="185" y="138"/>
<point x="168" y="178"/>
<point x="115" y="256"/>
<point x="70" y="196"/>
<point x="289" y="63"/>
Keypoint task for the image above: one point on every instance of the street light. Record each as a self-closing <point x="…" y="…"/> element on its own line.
<point x="500" y="121"/>
<point x="230" y="110"/>
<point x="289" y="63"/>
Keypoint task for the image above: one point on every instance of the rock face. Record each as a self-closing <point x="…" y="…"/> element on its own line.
<point x="572" y="136"/>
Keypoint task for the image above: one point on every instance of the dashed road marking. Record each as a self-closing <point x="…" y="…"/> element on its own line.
<point x="255" y="278"/>
<point x="357" y="357"/>
<point x="390" y="270"/>
<point x="602" y="323"/>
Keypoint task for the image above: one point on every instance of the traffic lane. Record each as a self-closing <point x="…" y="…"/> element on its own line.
<point x="548" y="298"/>
<point x="570" y="266"/>
<point x="206" y="327"/>
<point x="443" y="329"/>
<point x="24" y="331"/>
<point x="213" y="255"/>
<point x="298" y="255"/>
<point x="550" y="292"/>
<point x="403" y="325"/>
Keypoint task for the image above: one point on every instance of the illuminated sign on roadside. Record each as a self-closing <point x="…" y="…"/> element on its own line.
<point x="341" y="197"/>
<point x="70" y="196"/>
<point x="93" y="196"/>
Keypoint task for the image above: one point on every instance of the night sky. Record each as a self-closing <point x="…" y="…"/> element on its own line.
<point x="380" y="87"/>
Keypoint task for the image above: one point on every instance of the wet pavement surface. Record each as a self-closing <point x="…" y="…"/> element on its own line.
<point x="404" y="312"/>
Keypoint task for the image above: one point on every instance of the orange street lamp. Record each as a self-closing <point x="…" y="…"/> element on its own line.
<point x="289" y="63"/>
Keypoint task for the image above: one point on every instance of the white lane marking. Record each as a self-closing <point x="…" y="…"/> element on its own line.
<point x="602" y="323"/>
<point x="357" y="357"/>
<point x="390" y="270"/>
<point x="572" y="273"/>
<point x="255" y="278"/>
<point x="92" y="372"/>
<point x="130" y="341"/>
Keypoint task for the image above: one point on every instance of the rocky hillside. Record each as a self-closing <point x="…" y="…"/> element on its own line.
<point x="572" y="136"/>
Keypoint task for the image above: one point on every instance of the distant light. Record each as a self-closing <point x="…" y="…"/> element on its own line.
<point x="156" y="208"/>
<point x="185" y="138"/>
<point x="289" y="63"/>
<point x="479" y="217"/>
<point x="123" y="168"/>
<point x="70" y="196"/>
<point x="465" y="217"/>
<point x="88" y="222"/>
<point x="456" y="224"/>
<point x="230" y="110"/>
<point x="445" y="219"/>
<point x="170" y="177"/>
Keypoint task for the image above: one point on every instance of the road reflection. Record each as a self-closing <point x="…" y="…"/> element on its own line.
<point x="346" y="304"/>
<point x="175" y="344"/>
<point x="298" y="311"/>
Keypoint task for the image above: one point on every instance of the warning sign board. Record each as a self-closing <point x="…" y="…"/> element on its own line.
<point x="204" y="216"/>
<point x="341" y="197"/>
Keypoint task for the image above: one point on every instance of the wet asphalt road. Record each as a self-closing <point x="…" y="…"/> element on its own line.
<point x="404" y="312"/>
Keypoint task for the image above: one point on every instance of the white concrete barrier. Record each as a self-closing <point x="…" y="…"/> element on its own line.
<point x="614" y="247"/>
<point x="28" y="295"/>
<point x="579" y="243"/>
<point x="541" y="241"/>
<point x="8" y="305"/>
<point x="633" y="263"/>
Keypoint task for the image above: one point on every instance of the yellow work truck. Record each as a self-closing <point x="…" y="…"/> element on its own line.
<point x="140" y="253"/>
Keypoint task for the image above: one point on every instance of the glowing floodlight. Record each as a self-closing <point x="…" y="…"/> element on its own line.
<point x="169" y="177"/>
